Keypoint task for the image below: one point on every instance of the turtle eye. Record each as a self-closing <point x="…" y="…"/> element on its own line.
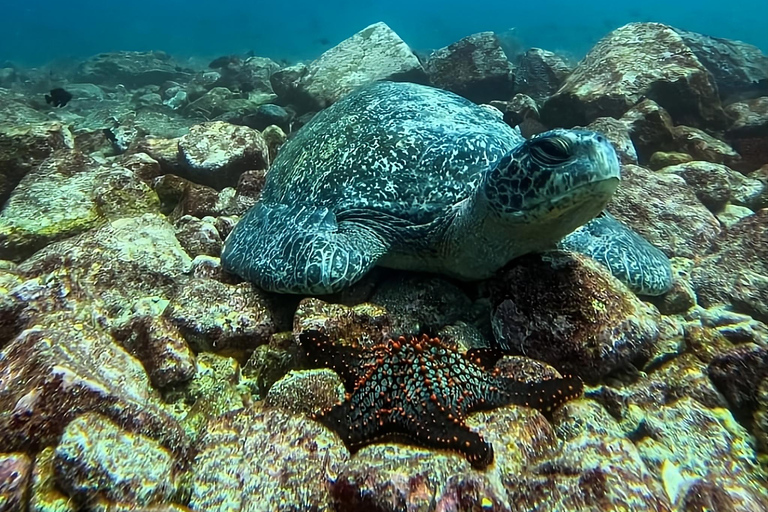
<point x="551" y="150"/>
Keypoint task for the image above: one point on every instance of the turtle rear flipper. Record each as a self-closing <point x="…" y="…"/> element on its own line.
<point x="300" y="249"/>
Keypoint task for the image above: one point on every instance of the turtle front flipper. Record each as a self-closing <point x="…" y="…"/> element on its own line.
<point x="633" y="260"/>
<point x="300" y="249"/>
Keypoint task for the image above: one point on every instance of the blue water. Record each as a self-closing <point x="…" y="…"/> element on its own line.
<point x="37" y="31"/>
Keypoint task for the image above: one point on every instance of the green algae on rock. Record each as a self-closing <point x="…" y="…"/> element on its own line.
<point x="97" y="461"/>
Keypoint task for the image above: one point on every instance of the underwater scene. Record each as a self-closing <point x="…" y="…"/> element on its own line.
<point x="384" y="257"/>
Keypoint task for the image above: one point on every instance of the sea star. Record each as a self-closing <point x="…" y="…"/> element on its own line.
<point x="421" y="391"/>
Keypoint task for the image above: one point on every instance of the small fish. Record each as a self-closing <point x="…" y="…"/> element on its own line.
<point x="58" y="97"/>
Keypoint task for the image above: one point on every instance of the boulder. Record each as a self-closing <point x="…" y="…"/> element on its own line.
<point x="475" y="67"/>
<point x="632" y="63"/>
<point x="131" y="69"/>
<point x="374" y="53"/>
<point x="540" y="74"/>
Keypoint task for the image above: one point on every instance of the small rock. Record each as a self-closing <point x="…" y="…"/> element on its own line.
<point x="634" y="62"/>
<point x="98" y="461"/>
<point x="198" y="201"/>
<point x="275" y="137"/>
<point x="268" y="115"/>
<point x="710" y="182"/>
<point x="215" y="316"/>
<point x="520" y="108"/>
<point x="732" y="214"/>
<point x="702" y="146"/>
<point x="617" y="133"/>
<point x="569" y="311"/>
<point x="142" y="165"/>
<point x="475" y="67"/>
<point x="216" y="153"/>
<point x="270" y="362"/>
<point x="650" y="128"/>
<point x="198" y="237"/>
<point x="158" y="344"/>
<point x="45" y="494"/>
<point x="540" y="74"/>
<point x="306" y="392"/>
<point x="661" y="159"/>
<point x="368" y="323"/>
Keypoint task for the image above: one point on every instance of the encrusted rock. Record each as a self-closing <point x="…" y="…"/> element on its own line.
<point x="270" y="362"/>
<point x="142" y="165"/>
<point x="374" y="53"/>
<point x="306" y="392"/>
<point x="45" y="494"/>
<point x="738" y="374"/>
<point x="15" y="476"/>
<point x="749" y="132"/>
<point x="617" y="133"/>
<point x="157" y="343"/>
<point x="215" y="316"/>
<point x="475" y="67"/>
<point x="198" y="237"/>
<point x="568" y="310"/>
<point x="119" y="263"/>
<point x="702" y="146"/>
<point x="650" y="128"/>
<point x="634" y="62"/>
<point x="25" y="146"/>
<point x="366" y="322"/>
<point x="661" y="159"/>
<point x="517" y="110"/>
<point x="217" y="153"/>
<point x="63" y="367"/>
<point x="264" y="456"/>
<point x="97" y="461"/>
<point x="664" y="211"/>
<point x="419" y="304"/>
<point x="540" y="74"/>
<point x="736" y="272"/>
<point x="695" y="442"/>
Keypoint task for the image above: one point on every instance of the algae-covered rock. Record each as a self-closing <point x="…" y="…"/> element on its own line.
<point x="119" y="263"/>
<point x="259" y="458"/>
<point x="650" y="128"/>
<point x="45" y="494"/>
<point x="368" y="323"/>
<point x="198" y="237"/>
<point x="568" y="310"/>
<point x="76" y="194"/>
<point x="634" y="62"/>
<point x="24" y="146"/>
<point x="716" y="184"/>
<point x="63" y="367"/>
<point x="214" y="316"/>
<point x="306" y="392"/>
<point x="475" y="67"/>
<point x="216" y="153"/>
<point x="97" y="461"/>
<point x="749" y="132"/>
<point x="702" y="146"/>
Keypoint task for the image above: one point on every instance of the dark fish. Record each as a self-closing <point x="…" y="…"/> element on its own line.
<point x="58" y="97"/>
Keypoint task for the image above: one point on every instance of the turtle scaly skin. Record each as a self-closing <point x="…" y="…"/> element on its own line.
<point x="407" y="176"/>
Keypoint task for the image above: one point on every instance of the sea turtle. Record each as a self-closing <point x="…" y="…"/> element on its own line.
<point x="412" y="177"/>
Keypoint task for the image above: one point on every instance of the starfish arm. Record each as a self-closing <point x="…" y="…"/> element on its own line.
<point x="320" y="352"/>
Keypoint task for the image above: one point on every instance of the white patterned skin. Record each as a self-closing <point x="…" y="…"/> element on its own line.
<point x="408" y="176"/>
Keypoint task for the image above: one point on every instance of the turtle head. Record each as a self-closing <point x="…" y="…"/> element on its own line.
<point x="555" y="181"/>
